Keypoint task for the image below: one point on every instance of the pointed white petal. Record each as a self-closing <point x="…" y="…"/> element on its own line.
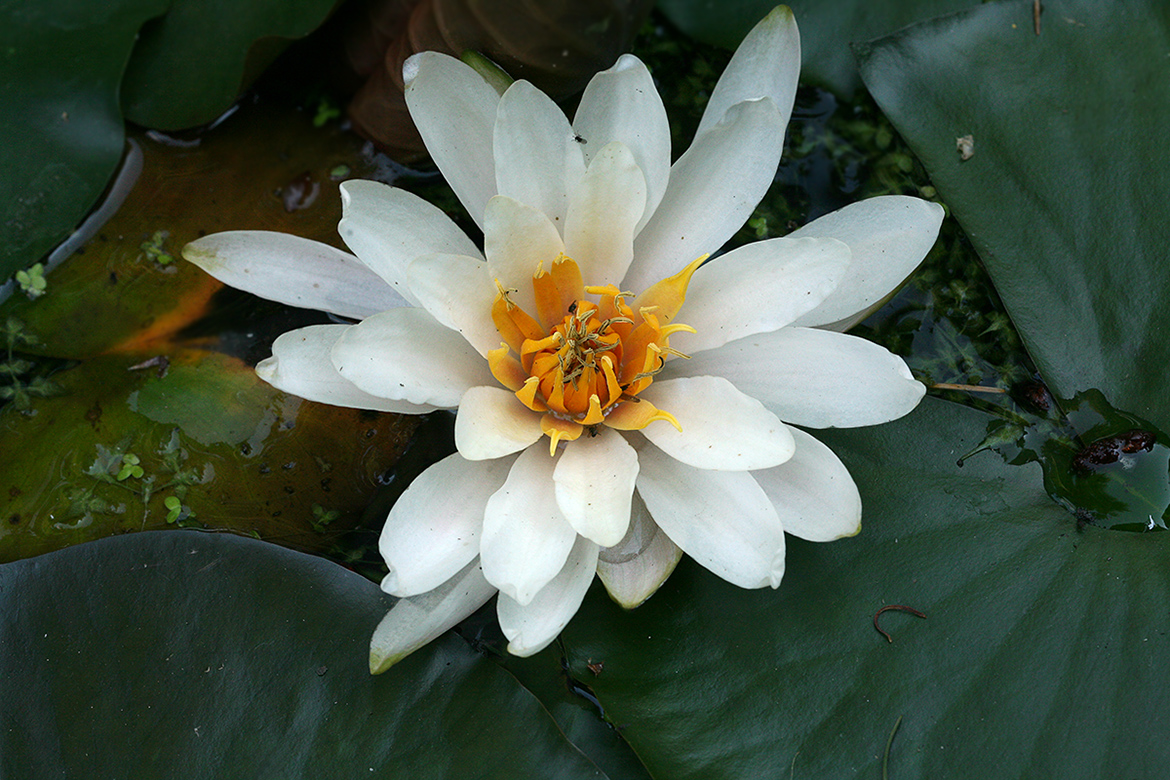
<point x="518" y="239"/>
<point x="433" y="530"/>
<point x="889" y="236"/>
<point x="634" y="568"/>
<point x="458" y="291"/>
<point x="537" y="161"/>
<point x="813" y="493"/>
<point x="594" y="480"/>
<point x="533" y="626"/>
<point x="406" y="354"/>
<point x="722" y="519"/>
<point x="493" y="423"/>
<point x="293" y="270"/>
<point x="455" y="112"/>
<point x="413" y="622"/>
<point x="525" y="537"/>
<point x="812" y="377"/>
<point x="300" y="364"/>
<point x="605" y="208"/>
<point x="758" y="288"/>
<point x="388" y="228"/>
<point x="622" y="104"/>
<point x="713" y="188"/>
<point x="722" y="428"/>
<point x="766" y="64"/>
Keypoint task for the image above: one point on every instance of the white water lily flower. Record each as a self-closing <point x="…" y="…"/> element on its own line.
<point x="620" y="402"/>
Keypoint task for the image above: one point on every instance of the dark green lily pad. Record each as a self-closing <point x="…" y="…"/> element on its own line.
<point x="571" y="703"/>
<point x="62" y="132"/>
<point x="189" y="66"/>
<point x="193" y="439"/>
<point x="1042" y="653"/>
<point x="826" y="28"/>
<point x="1064" y="195"/>
<point x="208" y="656"/>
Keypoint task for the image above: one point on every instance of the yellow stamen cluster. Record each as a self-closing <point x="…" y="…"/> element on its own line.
<point x="583" y="362"/>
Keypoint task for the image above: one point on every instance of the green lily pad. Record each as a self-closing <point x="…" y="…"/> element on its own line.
<point x="826" y="28"/>
<point x="61" y="139"/>
<point x="190" y="65"/>
<point x="206" y="656"/>
<point x="1064" y="193"/>
<point x="190" y="438"/>
<point x="1042" y="653"/>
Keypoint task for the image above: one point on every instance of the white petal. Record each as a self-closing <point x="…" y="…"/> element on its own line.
<point x="889" y="236"/>
<point x="605" y="208"/>
<point x="537" y="161"/>
<point x="634" y="568"/>
<point x="532" y="627"/>
<point x="455" y="112"/>
<point x="812" y="377"/>
<point x="387" y="228"/>
<point x="813" y="493"/>
<point x="458" y="291"/>
<point x="300" y="364"/>
<point x="518" y="239"/>
<point x="713" y="188"/>
<point x="622" y="104"/>
<point x="433" y="530"/>
<point x="412" y="623"/>
<point x="722" y="428"/>
<point x="766" y="64"/>
<point x="594" y="480"/>
<point x="406" y="354"/>
<point x="758" y="288"/>
<point x="722" y="519"/>
<point x="525" y="539"/>
<point x="493" y="423"/>
<point x="293" y="270"/>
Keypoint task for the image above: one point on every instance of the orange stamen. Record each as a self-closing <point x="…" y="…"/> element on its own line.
<point x="583" y="363"/>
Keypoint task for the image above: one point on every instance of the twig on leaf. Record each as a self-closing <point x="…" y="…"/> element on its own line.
<point x="898" y="607"/>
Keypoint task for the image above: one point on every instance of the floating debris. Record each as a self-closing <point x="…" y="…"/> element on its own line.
<point x="966" y="147"/>
<point x="1110" y="449"/>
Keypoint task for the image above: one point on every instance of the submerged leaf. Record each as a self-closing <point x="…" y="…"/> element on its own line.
<point x="122" y="446"/>
<point x="118" y="294"/>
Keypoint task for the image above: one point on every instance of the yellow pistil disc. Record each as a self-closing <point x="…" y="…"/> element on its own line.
<point x="583" y="362"/>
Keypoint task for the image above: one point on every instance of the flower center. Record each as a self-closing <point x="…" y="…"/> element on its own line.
<point x="583" y="362"/>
